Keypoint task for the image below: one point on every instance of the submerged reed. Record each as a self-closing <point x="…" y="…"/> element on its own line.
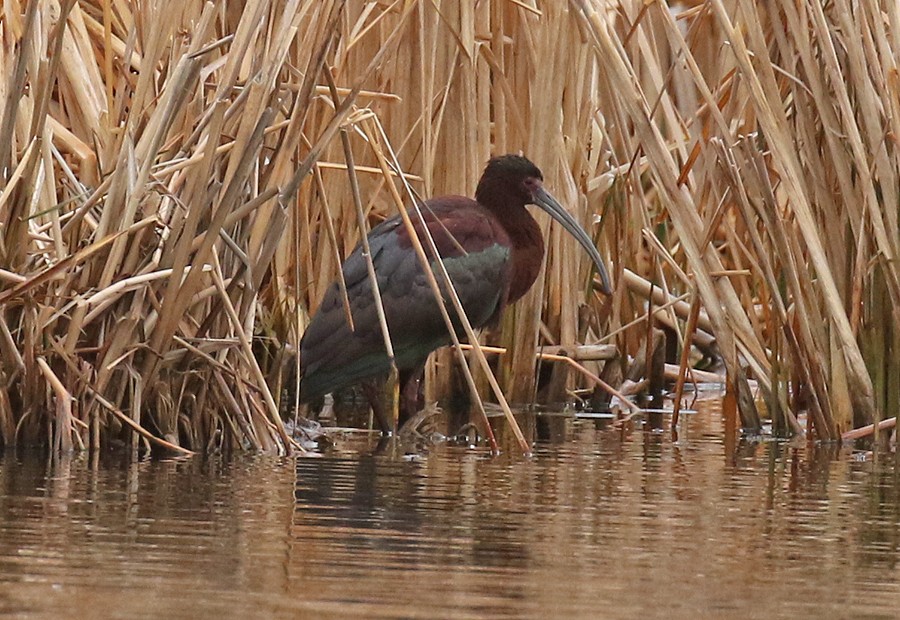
<point x="175" y="197"/>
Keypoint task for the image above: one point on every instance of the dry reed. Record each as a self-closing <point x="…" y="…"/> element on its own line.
<point x="175" y="199"/>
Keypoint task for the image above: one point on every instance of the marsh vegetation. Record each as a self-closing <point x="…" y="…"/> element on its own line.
<point x="175" y="198"/>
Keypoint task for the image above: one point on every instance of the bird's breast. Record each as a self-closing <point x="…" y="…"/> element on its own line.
<point x="526" y="256"/>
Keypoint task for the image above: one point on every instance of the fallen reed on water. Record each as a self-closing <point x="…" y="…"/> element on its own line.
<point x="175" y="196"/>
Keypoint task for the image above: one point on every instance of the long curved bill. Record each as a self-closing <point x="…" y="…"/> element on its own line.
<point x="548" y="203"/>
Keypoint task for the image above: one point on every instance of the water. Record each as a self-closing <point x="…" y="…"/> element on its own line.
<point x="599" y="523"/>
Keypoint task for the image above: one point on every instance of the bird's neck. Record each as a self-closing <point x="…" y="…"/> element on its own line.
<point x="526" y="246"/>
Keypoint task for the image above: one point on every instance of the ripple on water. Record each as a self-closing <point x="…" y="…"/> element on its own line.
<point x="595" y="524"/>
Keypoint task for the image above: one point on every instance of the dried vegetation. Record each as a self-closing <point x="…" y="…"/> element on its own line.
<point x="175" y="194"/>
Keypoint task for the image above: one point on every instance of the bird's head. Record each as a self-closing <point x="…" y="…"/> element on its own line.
<point x="510" y="180"/>
<point x="509" y="177"/>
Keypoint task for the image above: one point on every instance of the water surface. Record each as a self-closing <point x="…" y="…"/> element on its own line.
<point x="598" y="523"/>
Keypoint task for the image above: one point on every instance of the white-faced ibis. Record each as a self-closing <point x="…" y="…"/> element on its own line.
<point x="492" y="249"/>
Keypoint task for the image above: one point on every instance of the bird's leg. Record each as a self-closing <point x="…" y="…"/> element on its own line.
<point x="374" y="393"/>
<point x="409" y="391"/>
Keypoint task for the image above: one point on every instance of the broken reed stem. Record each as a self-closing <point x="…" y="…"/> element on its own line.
<point x="673" y="372"/>
<point x="553" y="357"/>
<point x="869" y="429"/>
<point x="62" y="430"/>
<point x="332" y="238"/>
<point x="393" y="384"/>
<point x="685" y="357"/>
<point x="659" y="314"/>
<point x="125" y="419"/>
<point x="278" y="424"/>
<point x="643" y="287"/>
<point x="140" y="430"/>
<point x="597" y="380"/>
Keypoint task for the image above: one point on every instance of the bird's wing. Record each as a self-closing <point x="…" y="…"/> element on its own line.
<point x="476" y="255"/>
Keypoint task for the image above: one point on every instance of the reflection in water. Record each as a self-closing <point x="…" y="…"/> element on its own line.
<point x="598" y="523"/>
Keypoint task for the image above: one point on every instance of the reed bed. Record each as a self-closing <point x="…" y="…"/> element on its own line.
<point x="175" y="195"/>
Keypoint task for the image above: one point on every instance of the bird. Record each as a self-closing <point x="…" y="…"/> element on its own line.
<point x="492" y="249"/>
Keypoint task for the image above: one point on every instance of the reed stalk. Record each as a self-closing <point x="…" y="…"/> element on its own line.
<point x="174" y="198"/>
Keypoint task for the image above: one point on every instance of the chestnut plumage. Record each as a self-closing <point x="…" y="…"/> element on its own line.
<point x="492" y="249"/>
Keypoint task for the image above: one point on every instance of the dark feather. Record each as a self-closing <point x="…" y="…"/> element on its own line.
<point x="333" y="356"/>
